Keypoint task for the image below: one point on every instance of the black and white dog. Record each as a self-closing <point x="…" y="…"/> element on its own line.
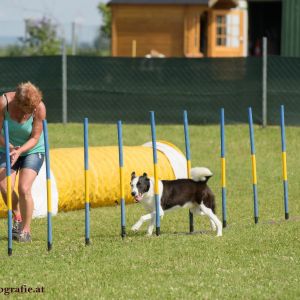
<point x="180" y="193"/>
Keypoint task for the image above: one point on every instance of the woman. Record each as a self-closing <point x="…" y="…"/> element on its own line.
<point x="24" y="111"/>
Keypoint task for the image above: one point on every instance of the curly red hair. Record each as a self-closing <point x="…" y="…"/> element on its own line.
<point x="28" y="96"/>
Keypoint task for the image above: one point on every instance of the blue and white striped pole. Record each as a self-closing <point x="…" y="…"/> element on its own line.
<point x="48" y="178"/>
<point x="156" y="190"/>
<point x="223" y="168"/>
<point x="284" y="166"/>
<point x="188" y="160"/>
<point x="9" y="190"/>
<point x="86" y="180"/>
<point x="121" y="172"/>
<point x="253" y="160"/>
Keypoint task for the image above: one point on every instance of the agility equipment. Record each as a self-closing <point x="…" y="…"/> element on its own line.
<point x="188" y="160"/>
<point x="253" y="160"/>
<point x="121" y="172"/>
<point x="67" y="175"/>
<point x="9" y="191"/>
<point x="49" y="198"/>
<point x="156" y="192"/>
<point x="69" y="171"/>
<point x="67" y="166"/>
<point x="223" y="167"/>
<point x="284" y="166"/>
<point x="86" y="181"/>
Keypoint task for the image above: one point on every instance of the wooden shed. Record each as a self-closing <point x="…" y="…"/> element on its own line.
<point x="178" y="28"/>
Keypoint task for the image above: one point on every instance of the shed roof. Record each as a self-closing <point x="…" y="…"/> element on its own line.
<point x="171" y="2"/>
<point x="194" y="2"/>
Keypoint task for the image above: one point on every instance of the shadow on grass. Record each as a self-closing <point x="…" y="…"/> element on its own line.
<point x="206" y="232"/>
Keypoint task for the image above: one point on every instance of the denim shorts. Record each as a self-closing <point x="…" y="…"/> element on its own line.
<point x="31" y="161"/>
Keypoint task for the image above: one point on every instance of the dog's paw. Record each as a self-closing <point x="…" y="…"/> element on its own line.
<point x="213" y="227"/>
<point x="135" y="228"/>
<point x="148" y="234"/>
<point x="219" y="234"/>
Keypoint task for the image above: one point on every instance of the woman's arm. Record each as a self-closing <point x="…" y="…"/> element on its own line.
<point x="2" y="113"/>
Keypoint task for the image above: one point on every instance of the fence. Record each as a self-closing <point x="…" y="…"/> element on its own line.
<point x="106" y="89"/>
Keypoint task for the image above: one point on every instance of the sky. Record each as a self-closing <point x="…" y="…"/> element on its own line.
<point x="13" y="13"/>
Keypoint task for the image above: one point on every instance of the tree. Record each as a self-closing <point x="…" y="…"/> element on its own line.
<point x="105" y="11"/>
<point x="41" y="37"/>
<point x="14" y="50"/>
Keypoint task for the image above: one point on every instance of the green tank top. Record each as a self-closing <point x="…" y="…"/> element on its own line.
<point x="19" y="134"/>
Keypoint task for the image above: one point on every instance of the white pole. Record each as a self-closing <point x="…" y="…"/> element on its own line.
<point x="264" y="82"/>
<point x="74" y="38"/>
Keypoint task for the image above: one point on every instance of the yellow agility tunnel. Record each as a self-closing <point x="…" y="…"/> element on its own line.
<point x="67" y="175"/>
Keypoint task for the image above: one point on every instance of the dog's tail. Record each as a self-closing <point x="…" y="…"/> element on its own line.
<point x="201" y="174"/>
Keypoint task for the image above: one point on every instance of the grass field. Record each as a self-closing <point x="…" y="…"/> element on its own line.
<point x="249" y="262"/>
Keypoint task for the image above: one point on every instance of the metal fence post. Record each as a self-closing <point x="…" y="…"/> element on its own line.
<point x="64" y="83"/>
<point x="264" y="82"/>
<point x="74" y="38"/>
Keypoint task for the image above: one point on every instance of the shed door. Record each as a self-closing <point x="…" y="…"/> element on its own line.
<point x="226" y="33"/>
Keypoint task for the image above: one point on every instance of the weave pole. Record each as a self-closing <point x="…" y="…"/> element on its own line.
<point x="86" y="180"/>
<point x="156" y="192"/>
<point x="9" y="191"/>
<point x="284" y="167"/>
<point x="121" y="172"/>
<point x="49" y="195"/>
<point x="223" y="167"/>
<point x="253" y="160"/>
<point x="188" y="160"/>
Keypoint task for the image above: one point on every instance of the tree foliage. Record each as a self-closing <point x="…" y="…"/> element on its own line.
<point x="41" y="38"/>
<point x="105" y="12"/>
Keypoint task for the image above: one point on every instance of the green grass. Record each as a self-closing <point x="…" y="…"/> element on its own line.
<point x="249" y="262"/>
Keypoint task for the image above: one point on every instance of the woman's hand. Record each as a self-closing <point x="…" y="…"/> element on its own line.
<point x="14" y="155"/>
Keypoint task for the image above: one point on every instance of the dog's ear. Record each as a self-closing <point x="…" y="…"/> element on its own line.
<point x="145" y="175"/>
<point x="132" y="175"/>
<point x="147" y="184"/>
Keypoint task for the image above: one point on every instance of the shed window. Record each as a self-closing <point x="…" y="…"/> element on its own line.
<point x="228" y="30"/>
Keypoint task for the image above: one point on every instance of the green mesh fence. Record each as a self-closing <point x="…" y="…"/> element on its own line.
<point x="108" y="89"/>
<point x="45" y="72"/>
<point x="284" y="88"/>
